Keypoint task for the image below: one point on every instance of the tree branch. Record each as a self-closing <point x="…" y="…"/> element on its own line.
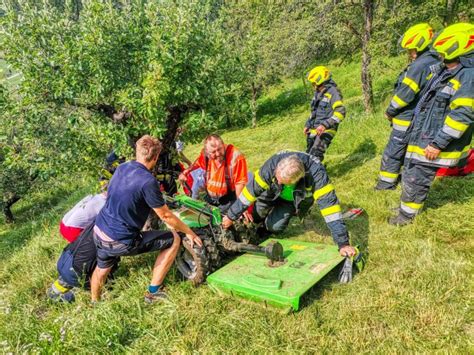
<point x="354" y="31"/>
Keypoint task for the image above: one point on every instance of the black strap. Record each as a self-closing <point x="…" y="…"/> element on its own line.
<point x="74" y="246"/>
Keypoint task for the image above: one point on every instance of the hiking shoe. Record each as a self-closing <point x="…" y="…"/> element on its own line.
<point x="400" y="220"/>
<point x="158" y="296"/>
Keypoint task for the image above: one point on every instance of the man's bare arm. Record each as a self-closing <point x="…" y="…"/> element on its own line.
<point x="168" y="217"/>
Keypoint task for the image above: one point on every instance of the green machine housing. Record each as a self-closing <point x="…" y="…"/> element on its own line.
<point x="280" y="284"/>
<point x="196" y="214"/>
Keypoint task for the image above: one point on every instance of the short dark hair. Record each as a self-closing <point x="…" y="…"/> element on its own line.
<point x="148" y="148"/>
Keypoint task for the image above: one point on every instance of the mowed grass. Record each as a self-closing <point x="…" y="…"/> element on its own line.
<point x="414" y="295"/>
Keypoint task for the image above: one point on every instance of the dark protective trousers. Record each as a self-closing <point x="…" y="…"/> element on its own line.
<point x="392" y="160"/>
<point x="416" y="183"/>
<point x="275" y="214"/>
<point x="318" y="145"/>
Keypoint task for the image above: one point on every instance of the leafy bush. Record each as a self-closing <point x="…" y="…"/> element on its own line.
<point x="97" y="76"/>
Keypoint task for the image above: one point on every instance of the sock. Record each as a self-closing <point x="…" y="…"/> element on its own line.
<point x="154" y="288"/>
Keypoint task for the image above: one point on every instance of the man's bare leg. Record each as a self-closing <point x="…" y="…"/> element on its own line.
<point x="164" y="261"/>
<point x="97" y="282"/>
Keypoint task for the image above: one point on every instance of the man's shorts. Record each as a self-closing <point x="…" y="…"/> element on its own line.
<point x="109" y="252"/>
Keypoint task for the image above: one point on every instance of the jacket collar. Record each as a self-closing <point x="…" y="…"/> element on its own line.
<point x="454" y="71"/>
<point x="428" y="53"/>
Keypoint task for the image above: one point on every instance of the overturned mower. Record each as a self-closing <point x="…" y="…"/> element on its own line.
<point x="205" y="220"/>
<point x="287" y="270"/>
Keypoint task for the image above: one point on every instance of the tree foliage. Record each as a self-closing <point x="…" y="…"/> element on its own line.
<point x="112" y="71"/>
<point x="96" y="73"/>
<point x="139" y="61"/>
<point x="42" y="141"/>
<point x="278" y="39"/>
<point x="273" y="39"/>
<point x="347" y="22"/>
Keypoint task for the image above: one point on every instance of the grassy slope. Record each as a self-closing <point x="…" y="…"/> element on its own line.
<point x="416" y="292"/>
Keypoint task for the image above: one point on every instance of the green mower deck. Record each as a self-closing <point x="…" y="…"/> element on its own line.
<point x="253" y="277"/>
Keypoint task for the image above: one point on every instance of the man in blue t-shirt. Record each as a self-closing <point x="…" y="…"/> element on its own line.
<point x="132" y="193"/>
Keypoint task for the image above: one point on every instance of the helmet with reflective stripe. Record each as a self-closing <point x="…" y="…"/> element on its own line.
<point x="455" y="40"/>
<point x="417" y="37"/>
<point x="318" y="75"/>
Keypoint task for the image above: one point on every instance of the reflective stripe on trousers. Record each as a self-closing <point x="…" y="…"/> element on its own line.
<point x="388" y="176"/>
<point x="392" y="158"/>
<point x="416" y="183"/>
<point x="410" y="208"/>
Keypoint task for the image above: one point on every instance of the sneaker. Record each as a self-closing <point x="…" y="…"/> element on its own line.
<point x="399" y="220"/>
<point x="158" y="296"/>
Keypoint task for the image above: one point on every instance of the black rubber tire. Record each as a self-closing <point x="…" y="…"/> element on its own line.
<point x="192" y="263"/>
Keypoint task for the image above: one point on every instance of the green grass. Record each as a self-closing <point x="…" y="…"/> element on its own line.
<point x="415" y="294"/>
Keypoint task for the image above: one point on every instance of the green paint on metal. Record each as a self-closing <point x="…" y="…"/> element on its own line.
<point x="252" y="277"/>
<point x="192" y="219"/>
<point x="202" y="208"/>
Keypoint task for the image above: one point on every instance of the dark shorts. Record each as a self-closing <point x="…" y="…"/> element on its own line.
<point x="109" y="252"/>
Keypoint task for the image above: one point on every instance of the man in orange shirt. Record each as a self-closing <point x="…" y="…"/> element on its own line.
<point x="225" y="172"/>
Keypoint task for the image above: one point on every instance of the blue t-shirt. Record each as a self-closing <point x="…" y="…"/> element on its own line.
<point x="133" y="192"/>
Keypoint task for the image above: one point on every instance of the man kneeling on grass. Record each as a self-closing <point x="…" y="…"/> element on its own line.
<point x="132" y="193"/>
<point x="287" y="185"/>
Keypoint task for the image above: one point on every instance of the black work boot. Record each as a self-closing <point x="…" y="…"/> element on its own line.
<point x="381" y="186"/>
<point x="400" y="220"/>
<point x="384" y="185"/>
<point x="60" y="291"/>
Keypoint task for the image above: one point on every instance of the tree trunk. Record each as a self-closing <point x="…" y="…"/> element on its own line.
<point x="450" y="10"/>
<point x="175" y="117"/>
<point x="254" y="105"/>
<point x="76" y="9"/>
<point x="7" y="209"/>
<point x="366" y="57"/>
<point x="307" y="91"/>
<point x="117" y="117"/>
